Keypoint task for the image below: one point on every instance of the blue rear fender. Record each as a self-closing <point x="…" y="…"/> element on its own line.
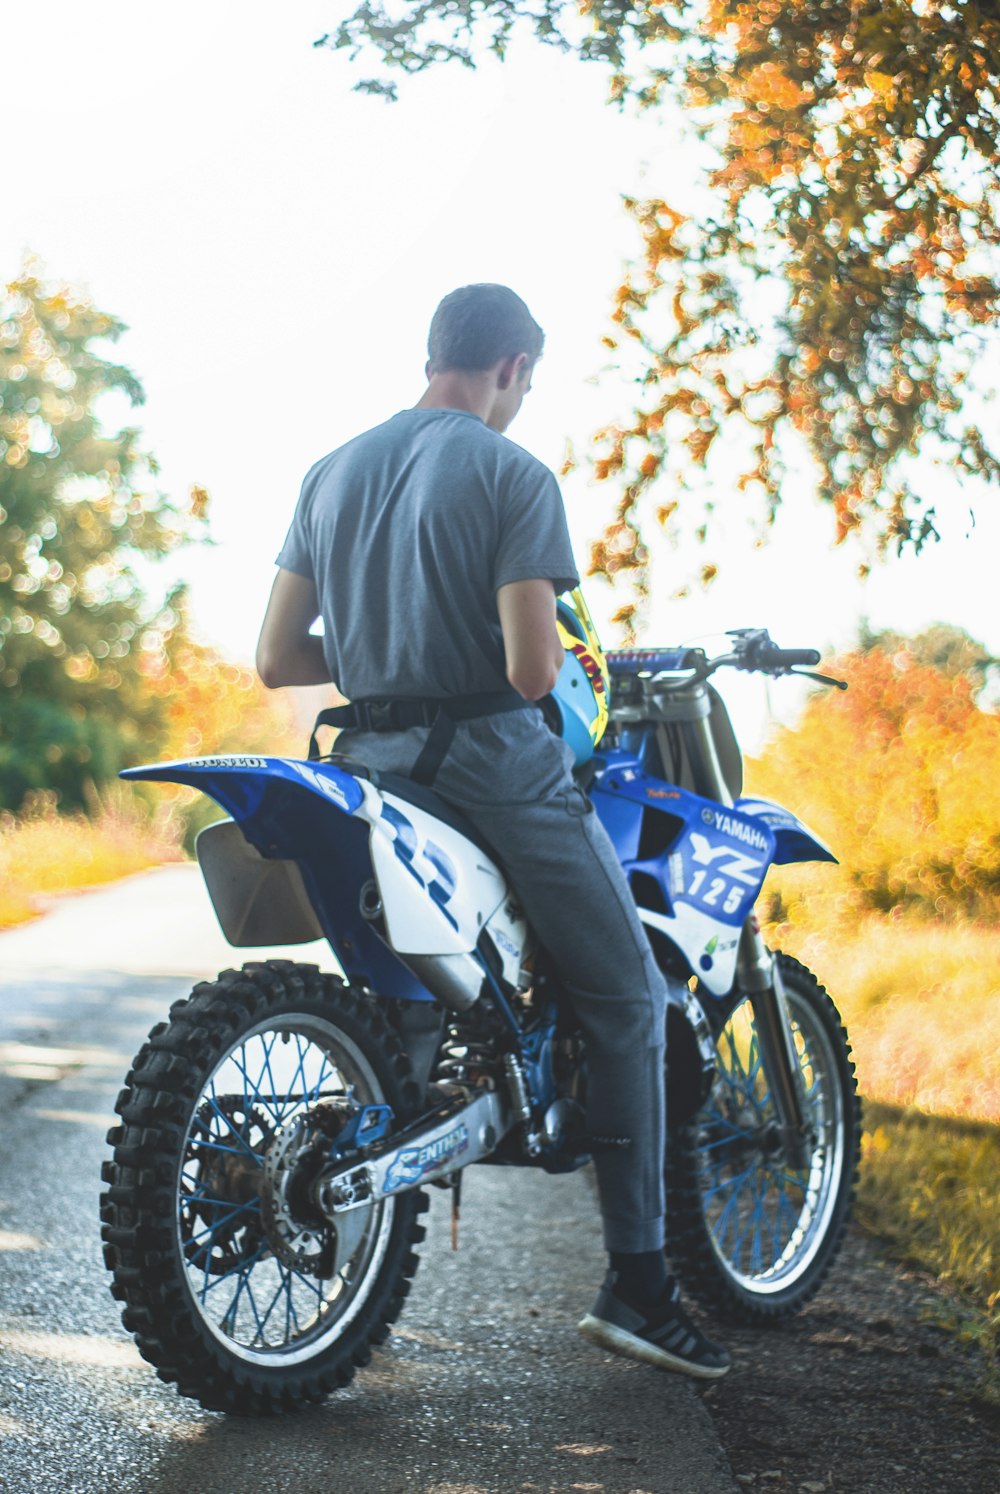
<point x="305" y="812"/>
<point x="249" y="787"/>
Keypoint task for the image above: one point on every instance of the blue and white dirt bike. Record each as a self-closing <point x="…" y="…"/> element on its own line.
<point x="262" y="1204"/>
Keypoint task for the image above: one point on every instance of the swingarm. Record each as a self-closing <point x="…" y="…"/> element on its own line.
<point x="428" y="1150"/>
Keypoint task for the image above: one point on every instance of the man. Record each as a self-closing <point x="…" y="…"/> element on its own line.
<point x="433" y="549"/>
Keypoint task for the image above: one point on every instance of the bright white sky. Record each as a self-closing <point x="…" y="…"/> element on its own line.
<point x="277" y="245"/>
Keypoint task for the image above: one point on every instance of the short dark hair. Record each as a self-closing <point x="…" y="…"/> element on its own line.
<point x="477" y="326"/>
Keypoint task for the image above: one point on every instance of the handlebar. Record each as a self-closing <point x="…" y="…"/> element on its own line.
<point x="753" y="649"/>
<point x="788" y="658"/>
<point x="758" y="651"/>
<point x="652" y="660"/>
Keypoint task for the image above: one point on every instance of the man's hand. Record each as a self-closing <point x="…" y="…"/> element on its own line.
<point x="287" y="653"/>
<point x="528" y="619"/>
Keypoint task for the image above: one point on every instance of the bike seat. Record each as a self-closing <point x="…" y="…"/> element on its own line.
<point x="417" y="794"/>
<point x="428" y="799"/>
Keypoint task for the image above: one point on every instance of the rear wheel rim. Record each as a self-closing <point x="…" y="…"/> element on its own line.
<point x="766" y="1222"/>
<point x="261" y="1310"/>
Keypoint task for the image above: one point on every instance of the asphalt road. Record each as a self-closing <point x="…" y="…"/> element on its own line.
<point x="484" y="1387"/>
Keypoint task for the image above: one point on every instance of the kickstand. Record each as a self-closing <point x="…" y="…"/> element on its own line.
<point x="456" y="1200"/>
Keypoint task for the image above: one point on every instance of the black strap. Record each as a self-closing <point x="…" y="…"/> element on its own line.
<point x="401" y="712"/>
<point x="434" y="750"/>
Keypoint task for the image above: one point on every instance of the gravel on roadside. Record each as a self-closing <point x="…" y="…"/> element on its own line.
<point x="863" y="1391"/>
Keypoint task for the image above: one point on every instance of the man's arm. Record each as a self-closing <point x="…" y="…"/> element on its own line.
<point x="528" y="619"/>
<point x="287" y="653"/>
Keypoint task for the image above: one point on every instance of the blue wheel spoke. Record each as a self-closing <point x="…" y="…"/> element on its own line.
<point x="283" y="1282"/>
<point x="214" y="1103"/>
<point x="740" y="1233"/>
<point x="733" y="1182"/>
<point x="258" y="1335"/>
<point x="242" y="1270"/>
<point x="252" y="1093"/>
<point x="785" y="1205"/>
<point x="228" y="1319"/>
<point x="273" y="1102"/>
<point x="220" y="1146"/>
<point x="246" y="1097"/>
<point x="313" y="1095"/>
<point x="290" y="1312"/>
<point x="761" y="1225"/>
<point x="729" y="1208"/>
<point x="230" y="1214"/>
<point x="791" y="1179"/>
<point x="711" y="1146"/>
<point x="299" y="1070"/>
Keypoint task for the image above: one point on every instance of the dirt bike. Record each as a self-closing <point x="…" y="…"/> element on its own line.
<point x="277" y="1133"/>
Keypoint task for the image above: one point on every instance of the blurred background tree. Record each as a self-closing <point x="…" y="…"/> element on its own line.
<point x="900" y="776"/>
<point x="206" y="704"/>
<point x="95" y="672"/>
<point x="832" y="294"/>
<point x="77" y="507"/>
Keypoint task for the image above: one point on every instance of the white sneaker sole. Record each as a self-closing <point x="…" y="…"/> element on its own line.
<point x="630" y="1346"/>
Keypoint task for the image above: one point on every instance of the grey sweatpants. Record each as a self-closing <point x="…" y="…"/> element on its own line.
<point x="513" y="779"/>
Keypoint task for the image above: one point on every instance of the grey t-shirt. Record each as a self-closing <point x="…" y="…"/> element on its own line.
<point x="407" y="532"/>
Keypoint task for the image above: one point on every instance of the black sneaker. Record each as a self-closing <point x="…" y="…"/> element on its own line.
<point x="660" y="1334"/>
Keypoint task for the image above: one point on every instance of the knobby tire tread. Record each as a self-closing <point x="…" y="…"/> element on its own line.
<point x="139" y="1203"/>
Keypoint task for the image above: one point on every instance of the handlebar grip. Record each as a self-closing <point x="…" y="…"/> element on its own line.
<point x="786" y="658"/>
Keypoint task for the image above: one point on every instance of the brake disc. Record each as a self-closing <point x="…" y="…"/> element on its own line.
<point x="299" y="1236"/>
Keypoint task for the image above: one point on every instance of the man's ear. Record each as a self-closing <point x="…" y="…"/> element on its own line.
<point x="510" y="369"/>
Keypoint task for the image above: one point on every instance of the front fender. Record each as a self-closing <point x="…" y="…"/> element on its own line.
<point x="794" y="841"/>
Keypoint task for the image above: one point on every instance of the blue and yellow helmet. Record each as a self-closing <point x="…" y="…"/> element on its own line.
<point x="577" y="709"/>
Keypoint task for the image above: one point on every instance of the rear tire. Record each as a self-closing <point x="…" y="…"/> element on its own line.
<point x="238" y="1315"/>
<point x="751" y="1238"/>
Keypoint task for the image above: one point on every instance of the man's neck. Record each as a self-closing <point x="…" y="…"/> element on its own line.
<point x="456" y="389"/>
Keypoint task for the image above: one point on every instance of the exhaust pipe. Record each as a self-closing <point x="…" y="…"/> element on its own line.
<point x="457" y="980"/>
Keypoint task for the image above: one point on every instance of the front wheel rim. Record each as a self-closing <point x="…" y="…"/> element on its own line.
<point x="766" y="1222"/>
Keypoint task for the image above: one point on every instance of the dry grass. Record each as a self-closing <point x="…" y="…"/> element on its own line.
<point x="43" y="853"/>
<point x="931" y="1184"/>
<point x="929" y="1189"/>
<point x="921" y="1001"/>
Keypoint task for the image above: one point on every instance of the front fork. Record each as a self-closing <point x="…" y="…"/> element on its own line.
<point x="758" y="974"/>
<point x="757" y="971"/>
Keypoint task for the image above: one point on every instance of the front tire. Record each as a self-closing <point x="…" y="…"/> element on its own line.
<point x="228" y="1294"/>
<point x="751" y="1237"/>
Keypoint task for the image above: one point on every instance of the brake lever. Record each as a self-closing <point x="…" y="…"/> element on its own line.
<point x="823" y="679"/>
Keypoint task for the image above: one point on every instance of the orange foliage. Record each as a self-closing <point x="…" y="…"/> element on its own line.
<point x="211" y="705"/>
<point x="900" y="776"/>
<point x="830" y="287"/>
